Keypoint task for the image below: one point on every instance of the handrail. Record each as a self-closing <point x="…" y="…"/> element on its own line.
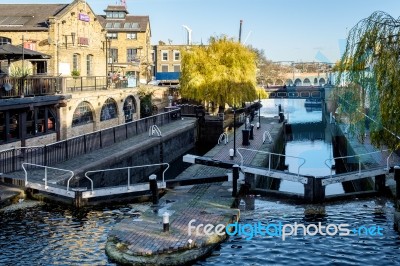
<point x="359" y="162"/>
<point x="154" y="129"/>
<point x="223" y="136"/>
<point x="45" y="173"/>
<point x="268" y="134"/>
<point x="129" y="172"/>
<point x="269" y="158"/>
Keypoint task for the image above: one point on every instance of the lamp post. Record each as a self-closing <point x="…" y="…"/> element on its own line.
<point x="259" y="112"/>
<point x="234" y="131"/>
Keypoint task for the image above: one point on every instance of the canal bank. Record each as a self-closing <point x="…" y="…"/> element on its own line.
<point x="143" y="241"/>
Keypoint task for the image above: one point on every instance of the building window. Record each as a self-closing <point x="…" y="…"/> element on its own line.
<point x="4" y="40"/>
<point x="177" y="56"/>
<point x="109" y="110"/>
<point x="117" y="25"/>
<point x="164" y="55"/>
<point x="89" y="65"/>
<point x="131" y="55"/>
<point x="131" y="36"/>
<point x="83" y="114"/>
<point x="164" y="68"/>
<point x="113" y="55"/>
<point x="177" y="68"/>
<point x="75" y="62"/>
<point x="121" y="14"/>
<point x="109" y="14"/>
<point x="41" y="120"/>
<point x="108" y="25"/>
<point x="112" y="35"/>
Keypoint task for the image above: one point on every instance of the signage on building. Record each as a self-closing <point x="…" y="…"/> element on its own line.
<point x="83" y="41"/>
<point x="84" y="17"/>
<point x="30" y="45"/>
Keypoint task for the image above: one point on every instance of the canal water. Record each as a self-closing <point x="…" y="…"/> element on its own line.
<point x="309" y="142"/>
<point x="54" y="235"/>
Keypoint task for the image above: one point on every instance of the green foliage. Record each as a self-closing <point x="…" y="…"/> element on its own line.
<point x="224" y="72"/>
<point x="20" y="72"/>
<point x="370" y="68"/>
<point x="75" y="73"/>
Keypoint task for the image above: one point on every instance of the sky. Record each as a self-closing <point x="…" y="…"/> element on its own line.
<point x="287" y="30"/>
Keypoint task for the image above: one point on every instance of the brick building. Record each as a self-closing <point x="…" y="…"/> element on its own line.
<point x="128" y="42"/>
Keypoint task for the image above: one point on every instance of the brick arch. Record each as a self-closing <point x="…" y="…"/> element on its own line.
<point x="83" y="114"/>
<point x="278" y="82"/>
<point x="306" y="81"/>
<point x="322" y="81"/>
<point x="109" y="110"/>
<point x="129" y="108"/>
<point x="298" y="82"/>
<point x="289" y="82"/>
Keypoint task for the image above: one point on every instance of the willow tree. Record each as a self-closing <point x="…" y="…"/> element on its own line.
<point x="370" y="72"/>
<point x="223" y="72"/>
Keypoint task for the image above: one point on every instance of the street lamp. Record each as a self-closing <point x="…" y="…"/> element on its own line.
<point x="234" y="131"/>
<point x="259" y="112"/>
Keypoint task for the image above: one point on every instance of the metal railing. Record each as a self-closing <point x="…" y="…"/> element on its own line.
<point x="154" y="130"/>
<point x="359" y="161"/>
<point x="128" y="173"/>
<point x="57" y="152"/>
<point x="267" y="134"/>
<point x="88" y="83"/>
<point x="23" y="165"/>
<point x="223" y="137"/>
<point x="269" y="158"/>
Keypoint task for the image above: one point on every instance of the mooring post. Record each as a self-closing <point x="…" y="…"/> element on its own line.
<point x="309" y="189"/>
<point x="397" y="179"/>
<point x="153" y="188"/>
<point x="319" y="190"/>
<point x="380" y="185"/>
<point x="79" y="202"/>
<point x="235" y="177"/>
<point x="251" y="131"/>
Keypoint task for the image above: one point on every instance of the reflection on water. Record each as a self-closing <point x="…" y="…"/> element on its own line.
<point x="314" y="250"/>
<point x="308" y="140"/>
<point x="51" y="235"/>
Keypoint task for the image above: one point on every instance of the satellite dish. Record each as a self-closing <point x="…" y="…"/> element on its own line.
<point x="7" y="86"/>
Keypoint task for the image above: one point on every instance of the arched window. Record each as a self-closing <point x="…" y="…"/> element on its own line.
<point x="109" y="110"/>
<point x="89" y="65"/>
<point x="298" y="82"/>
<point x="315" y="81"/>
<point x="279" y="82"/>
<point x="289" y="82"/>
<point x="83" y="114"/>
<point x="129" y="108"/>
<point x="322" y="81"/>
<point x="306" y="81"/>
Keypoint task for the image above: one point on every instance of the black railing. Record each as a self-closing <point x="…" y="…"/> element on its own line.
<point x="85" y="83"/>
<point x="12" y="159"/>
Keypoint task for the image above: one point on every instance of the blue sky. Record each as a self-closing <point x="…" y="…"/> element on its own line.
<point x="287" y="30"/>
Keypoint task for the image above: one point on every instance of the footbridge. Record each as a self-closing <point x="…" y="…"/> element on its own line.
<point x="296" y="92"/>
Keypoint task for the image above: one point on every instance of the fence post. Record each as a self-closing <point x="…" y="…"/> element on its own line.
<point x="101" y="141"/>
<point x="45" y="155"/>
<point x="235" y="177"/>
<point x="309" y="189"/>
<point x="84" y="143"/>
<point x="14" y="159"/>
<point x="66" y="149"/>
<point x="114" y="133"/>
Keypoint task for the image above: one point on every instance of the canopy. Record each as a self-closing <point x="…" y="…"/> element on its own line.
<point x="12" y="52"/>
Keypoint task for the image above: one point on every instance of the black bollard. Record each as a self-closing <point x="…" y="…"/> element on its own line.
<point x="251" y="132"/>
<point x="245" y="137"/>
<point x="397" y="179"/>
<point x="153" y="188"/>
<point x="235" y="177"/>
<point x="380" y="183"/>
<point x="166" y="222"/>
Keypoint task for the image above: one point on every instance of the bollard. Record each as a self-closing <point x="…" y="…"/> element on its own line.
<point x="397" y="179"/>
<point x="258" y="125"/>
<point x="231" y="153"/>
<point x="235" y="177"/>
<point x="380" y="183"/>
<point x="251" y="132"/>
<point x="153" y="188"/>
<point x="165" y="222"/>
